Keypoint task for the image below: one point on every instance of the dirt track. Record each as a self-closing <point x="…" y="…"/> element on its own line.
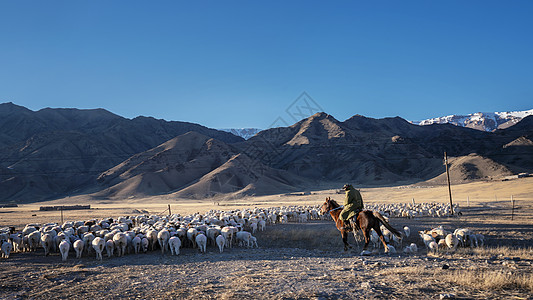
<point x="294" y="261"/>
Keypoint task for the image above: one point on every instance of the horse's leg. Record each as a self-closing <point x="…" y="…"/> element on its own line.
<point x="381" y="238"/>
<point x="366" y="234"/>
<point x="345" y="240"/>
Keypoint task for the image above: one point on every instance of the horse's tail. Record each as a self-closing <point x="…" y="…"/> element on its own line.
<point x="387" y="225"/>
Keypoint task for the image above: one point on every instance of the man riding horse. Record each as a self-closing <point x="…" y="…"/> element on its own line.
<point x="353" y="204"/>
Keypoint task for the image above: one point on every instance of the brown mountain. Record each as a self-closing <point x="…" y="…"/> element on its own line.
<point x="55" y="152"/>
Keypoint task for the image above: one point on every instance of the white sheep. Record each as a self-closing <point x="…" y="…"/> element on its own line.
<point x="121" y="241"/>
<point x="33" y="240"/>
<point x="427" y="239"/>
<point x="191" y="236"/>
<point x="243" y="238"/>
<point x="47" y="243"/>
<point x="144" y="244"/>
<point x="64" y="247"/>
<point x="109" y="247"/>
<point x="451" y="241"/>
<point x="253" y="227"/>
<point x="228" y="233"/>
<point x="262" y="225"/>
<point x="6" y="249"/>
<point x="163" y="237"/>
<point x="17" y="242"/>
<point x="88" y="238"/>
<point x="136" y="242"/>
<point x="221" y="241"/>
<point x="151" y="235"/>
<point x="78" y="247"/>
<point x="98" y="244"/>
<point x="174" y="244"/>
<point x="201" y="242"/>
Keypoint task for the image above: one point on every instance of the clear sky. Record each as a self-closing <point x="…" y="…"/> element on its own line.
<point x="243" y="63"/>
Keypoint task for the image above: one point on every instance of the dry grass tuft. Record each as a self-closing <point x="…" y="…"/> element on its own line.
<point x="490" y="280"/>
<point x="505" y="251"/>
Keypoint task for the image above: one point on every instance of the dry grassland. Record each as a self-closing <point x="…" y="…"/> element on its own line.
<point x="294" y="261"/>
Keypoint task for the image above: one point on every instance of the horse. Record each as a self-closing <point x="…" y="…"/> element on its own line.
<point x="365" y="220"/>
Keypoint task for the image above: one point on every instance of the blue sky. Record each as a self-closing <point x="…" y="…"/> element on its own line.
<point x="243" y="63"/>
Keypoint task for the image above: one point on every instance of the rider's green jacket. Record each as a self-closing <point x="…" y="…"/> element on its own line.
<point x="353" y="202"/>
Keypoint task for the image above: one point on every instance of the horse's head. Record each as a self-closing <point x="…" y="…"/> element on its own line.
<point x="327" y="206"/>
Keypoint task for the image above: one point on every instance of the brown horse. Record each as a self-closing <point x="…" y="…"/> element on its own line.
<point x="365" y="220"/>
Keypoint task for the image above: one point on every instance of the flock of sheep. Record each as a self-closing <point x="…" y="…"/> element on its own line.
<point x="139" y="234"/>
<point x="219" y="229"/>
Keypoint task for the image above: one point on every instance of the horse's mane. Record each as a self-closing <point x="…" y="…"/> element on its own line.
<point x="334" y="203"/>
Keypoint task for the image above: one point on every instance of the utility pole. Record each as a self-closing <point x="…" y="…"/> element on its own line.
<point x="448" y="176"/>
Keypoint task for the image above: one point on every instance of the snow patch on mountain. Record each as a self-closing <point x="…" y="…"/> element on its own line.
<point x="482" y="120"/>
<point x="245" y="133"/>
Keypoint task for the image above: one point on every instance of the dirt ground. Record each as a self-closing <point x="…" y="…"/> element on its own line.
<point x="293" y="261"/>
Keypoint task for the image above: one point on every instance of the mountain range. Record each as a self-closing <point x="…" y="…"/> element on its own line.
<point x="53" y="153"/>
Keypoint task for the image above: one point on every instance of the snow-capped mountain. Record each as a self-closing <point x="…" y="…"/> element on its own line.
<point x="482" y="120"/>
<point x="245" y="133"/>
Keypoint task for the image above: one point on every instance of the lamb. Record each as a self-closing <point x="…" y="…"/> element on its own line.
<point x="433" y="247"/>
<point x="6" y="249"/>
<point x="64" y="247"/>
<point x="220" y="241"/>
<point x="121" y="242"/>
<point x="414" y="248"/>
<point x="98" y="244"/>
<point x="109" y="247"/>
<point x="390" y="249"/>
<point x="163" y="237"/>
<point x="174" y="243"/>
<point x="253" y="242"/>
<point x="78" y="247"/>
<point x="407" y="231"/>
<point x="201" y="242"/>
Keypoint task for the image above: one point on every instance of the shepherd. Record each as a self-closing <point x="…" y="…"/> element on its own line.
<point x="353" y="205"/>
